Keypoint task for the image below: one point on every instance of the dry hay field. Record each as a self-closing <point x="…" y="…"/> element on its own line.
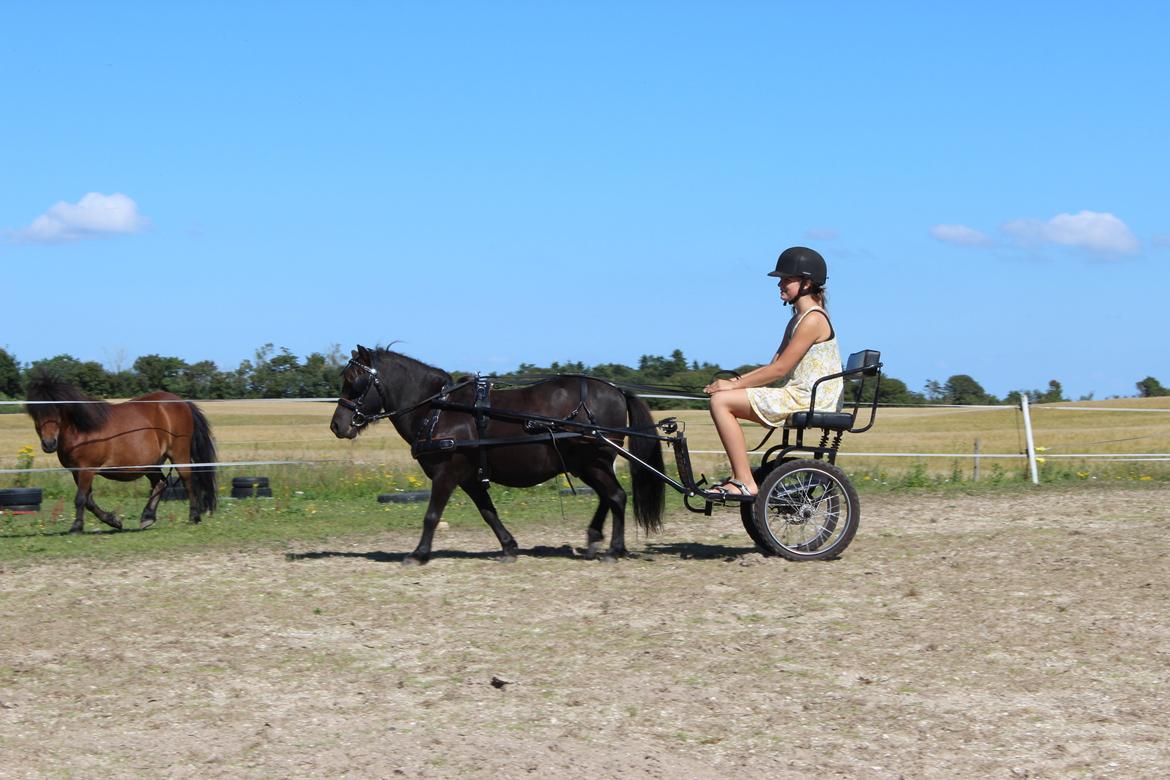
<point x="1017" y="632"/>
<point x="292" y="430"/>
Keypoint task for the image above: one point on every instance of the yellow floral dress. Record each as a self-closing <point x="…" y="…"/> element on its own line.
<point x="774" y="404"/>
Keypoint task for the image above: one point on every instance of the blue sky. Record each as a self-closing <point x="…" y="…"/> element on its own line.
<point x="493" y="183"/>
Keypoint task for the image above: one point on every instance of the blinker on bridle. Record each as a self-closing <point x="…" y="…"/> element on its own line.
<point x="360" y="418"/>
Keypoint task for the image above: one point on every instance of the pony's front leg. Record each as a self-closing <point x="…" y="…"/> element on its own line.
<point x="84" y="500"/>
<point x="109" y="518"/>
<point x="442" y="486"/>
<point x="483" y="502"/>
<point x="79" y="502"/>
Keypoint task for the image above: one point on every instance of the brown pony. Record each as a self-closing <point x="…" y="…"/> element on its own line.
<point x="94" y="437"/>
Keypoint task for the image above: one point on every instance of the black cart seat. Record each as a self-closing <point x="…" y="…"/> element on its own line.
<point x="860" y="368"/>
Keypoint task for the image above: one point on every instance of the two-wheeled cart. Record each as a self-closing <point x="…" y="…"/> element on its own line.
<point x="806" y="508"/>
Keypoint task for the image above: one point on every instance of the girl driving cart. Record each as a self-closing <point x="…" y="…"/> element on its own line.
<point x="807" y="352"/>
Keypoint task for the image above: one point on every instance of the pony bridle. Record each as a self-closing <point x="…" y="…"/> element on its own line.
<point x="360" y="418"/>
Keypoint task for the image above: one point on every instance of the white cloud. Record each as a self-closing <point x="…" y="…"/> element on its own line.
<point x="1097" y="232"/>
<point x="94" y="216"/>
<point x="960" y="235"/>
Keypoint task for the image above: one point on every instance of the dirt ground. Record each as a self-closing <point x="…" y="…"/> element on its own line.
<point x="991" y="636"/>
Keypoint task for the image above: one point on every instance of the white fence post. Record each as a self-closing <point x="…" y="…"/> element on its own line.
<point x="1028" y="438"/>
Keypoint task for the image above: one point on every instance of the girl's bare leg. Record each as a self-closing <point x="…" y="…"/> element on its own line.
<point x="727" y="409"/>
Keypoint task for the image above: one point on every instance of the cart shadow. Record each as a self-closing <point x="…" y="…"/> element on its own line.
<point x="699" y="551"/>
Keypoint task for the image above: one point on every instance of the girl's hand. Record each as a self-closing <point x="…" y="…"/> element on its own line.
<point x="719" y="385"/>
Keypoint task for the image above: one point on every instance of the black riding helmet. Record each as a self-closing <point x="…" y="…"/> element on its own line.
<point x="802" y="262"/>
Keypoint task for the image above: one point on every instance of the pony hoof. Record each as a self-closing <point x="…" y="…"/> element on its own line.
<point x="507" y="557"/>
<point x="76" y="530"/>
<point x="145" y="523"/>
<point x="410" y="560"/>
<point x="113" y="522"/>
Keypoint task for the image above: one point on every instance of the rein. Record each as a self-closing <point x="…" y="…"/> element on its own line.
<point x="361" y="419"/>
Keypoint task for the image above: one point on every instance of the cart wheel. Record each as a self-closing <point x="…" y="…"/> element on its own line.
<point x="806" y="511"/>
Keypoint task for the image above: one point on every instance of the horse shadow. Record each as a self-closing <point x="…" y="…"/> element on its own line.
<point x="95" y="532"/>
<point x="381" y="556"/>
<point x="681" y="550"/>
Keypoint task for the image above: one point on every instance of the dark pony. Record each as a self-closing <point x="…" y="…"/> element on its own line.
<point x="93" y="437"/>
<point x="383" y="381"/>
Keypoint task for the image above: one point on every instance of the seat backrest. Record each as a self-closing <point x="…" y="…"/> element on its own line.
<point x="866" y="358"/>
<point x="860" y="367"/>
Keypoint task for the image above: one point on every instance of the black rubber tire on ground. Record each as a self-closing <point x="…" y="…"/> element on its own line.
<point x="175" y="489"/>
<point x="21" y="498"/>
<point x="806" y="511"/>
<point x="747" y="510"/>
<point x="249" y="482"/>
<point x="176" y="493"/>
<point x="404" y="498"/>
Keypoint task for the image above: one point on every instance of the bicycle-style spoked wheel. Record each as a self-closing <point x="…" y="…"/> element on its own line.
<point x="806" y="510"/>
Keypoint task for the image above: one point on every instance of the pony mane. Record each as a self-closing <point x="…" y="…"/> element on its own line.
<point x="62" y="396"/>
<point x="410" y="363"/>
<point x="379" y="355"/>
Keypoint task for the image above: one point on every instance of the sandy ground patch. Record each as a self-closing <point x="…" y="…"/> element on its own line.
<point x="1021" y="636"/>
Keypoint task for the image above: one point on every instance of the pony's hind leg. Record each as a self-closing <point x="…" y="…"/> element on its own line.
<point x="194" y="515"/>
<point x="483" y="502"/>
<point x="596" y="533"/>
<point x="600" y="477"/>
<point x="157" y="485"/>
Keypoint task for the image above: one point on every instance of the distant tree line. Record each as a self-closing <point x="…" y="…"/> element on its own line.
<point x="271" y="373"/>
<point x="278" y="373"/>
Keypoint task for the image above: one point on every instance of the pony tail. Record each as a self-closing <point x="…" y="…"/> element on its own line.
<point x="202" y="451"/>
<point x="649" y="490"/>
